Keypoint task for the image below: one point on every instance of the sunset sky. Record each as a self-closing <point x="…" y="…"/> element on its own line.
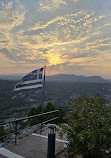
<point x="68" y="36"/>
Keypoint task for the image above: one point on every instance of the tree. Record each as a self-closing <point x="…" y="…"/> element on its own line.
<point x="61" y="114"/>
<point x="89" y="128"/>
<point x="35" y="111"/>
<point x="47" y="108"/>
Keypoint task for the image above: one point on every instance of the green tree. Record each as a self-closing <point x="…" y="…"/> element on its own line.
<point x="35" y="111"/>
<point x="89" y="128"/>
<point x="49" y="107"/>
<point x="61" y="114"/>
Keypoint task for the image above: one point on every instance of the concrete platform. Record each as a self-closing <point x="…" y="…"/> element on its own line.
<point x="1" y="156"/>
<point x="33" y="146"/>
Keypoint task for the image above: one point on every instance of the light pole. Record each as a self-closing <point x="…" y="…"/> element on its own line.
<point x="51" y="141"/>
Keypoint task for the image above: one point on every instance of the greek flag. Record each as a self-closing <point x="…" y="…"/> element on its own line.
<point x="33" y="80"/>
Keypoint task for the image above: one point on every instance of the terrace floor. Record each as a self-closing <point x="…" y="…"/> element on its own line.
<point x="32" y="146"/>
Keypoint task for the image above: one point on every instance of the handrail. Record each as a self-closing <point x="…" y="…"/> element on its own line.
<point x="50" y="120"/>
<point x="25" y="118"/>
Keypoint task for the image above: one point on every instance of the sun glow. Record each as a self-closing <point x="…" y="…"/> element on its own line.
<point x="55" y="59"/>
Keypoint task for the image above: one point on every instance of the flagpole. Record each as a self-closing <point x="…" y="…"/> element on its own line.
<point x="43" y="98"/>
<point x="44" y="84"/>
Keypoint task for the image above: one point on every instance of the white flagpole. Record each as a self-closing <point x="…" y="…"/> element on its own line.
<point x="44" y="84"/>
<point x="43" y="96"/>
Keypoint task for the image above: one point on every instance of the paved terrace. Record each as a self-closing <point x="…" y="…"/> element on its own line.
<point x="32" y="146"/>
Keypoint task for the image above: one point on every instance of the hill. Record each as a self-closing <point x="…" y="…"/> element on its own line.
<point x="18" y="104"/>
<point x="61" y="78"/>
<point x="75" y="78"/>
<point x="13" y="77"/>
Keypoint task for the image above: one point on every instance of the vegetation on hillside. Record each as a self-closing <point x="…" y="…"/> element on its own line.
<point x="18" y="104"/>
<point x="47" y="108"/>
<point x="2" y="132"/>
<point x="89" y="127"/>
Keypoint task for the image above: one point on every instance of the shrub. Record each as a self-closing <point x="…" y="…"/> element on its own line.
<point x="89" y="128"/>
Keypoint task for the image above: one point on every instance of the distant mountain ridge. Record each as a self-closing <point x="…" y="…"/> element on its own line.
<point x="11" y="77"/>
<point x="76" y="78"/>
<point x="61" y="78"/>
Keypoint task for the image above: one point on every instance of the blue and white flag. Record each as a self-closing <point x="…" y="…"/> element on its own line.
<point x="33" y="80"/>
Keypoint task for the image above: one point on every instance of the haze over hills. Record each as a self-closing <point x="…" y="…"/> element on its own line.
<point x="13" y="77"/>
<point x="61" y="78"/>
<point x="75" y="78"/>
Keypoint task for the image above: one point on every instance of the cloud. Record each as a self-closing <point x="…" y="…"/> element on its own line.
<point x="66" y="43"/>
<point x="50" y="5"/>
<point x="69" y="35"/>
<point x="71" y="39"/>
<point x="5" y="39"/>
<point x="11" y="15"/>
<point x="64" y="30"/>
<point x="60" y="30"/>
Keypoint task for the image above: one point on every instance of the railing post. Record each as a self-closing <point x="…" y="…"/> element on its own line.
<point x="41" y="123"/>
<point x="16" y="129"/>
<point x="51" y="141"/>
<point x="15" y="132"/>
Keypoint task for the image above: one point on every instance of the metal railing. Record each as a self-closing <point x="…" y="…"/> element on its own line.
<point x="16" y="122"/>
